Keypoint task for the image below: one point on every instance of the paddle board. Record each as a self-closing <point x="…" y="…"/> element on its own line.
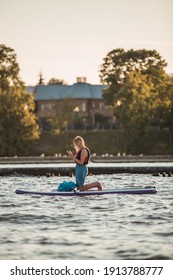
<point x="146" y="190"/>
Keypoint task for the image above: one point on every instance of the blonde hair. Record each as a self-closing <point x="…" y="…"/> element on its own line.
<point x="79" y="142"/>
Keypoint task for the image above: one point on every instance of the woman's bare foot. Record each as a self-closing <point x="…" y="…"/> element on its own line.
<point x="91" y="186"/>
<point x="99" y="186"/>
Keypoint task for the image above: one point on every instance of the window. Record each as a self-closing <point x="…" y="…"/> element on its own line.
<point x="83" y="107"/>
<point x="101" y="106"/>
<point x="47" y="107"/>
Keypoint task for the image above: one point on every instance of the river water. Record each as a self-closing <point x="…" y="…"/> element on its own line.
<point x="98" y="227"/>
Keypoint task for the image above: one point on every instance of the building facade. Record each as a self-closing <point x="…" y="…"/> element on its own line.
<point x="86" y="102"/>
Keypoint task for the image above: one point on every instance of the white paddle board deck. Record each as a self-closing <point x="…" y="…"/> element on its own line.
<point x="146" y="190"/>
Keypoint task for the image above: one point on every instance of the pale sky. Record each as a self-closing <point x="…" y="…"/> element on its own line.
<point x="66" y="39"/>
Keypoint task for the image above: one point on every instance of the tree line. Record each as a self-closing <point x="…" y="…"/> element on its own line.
<point x="18" y="124"/>
<point x="140" y="92"/>
<point x="138" y="89"/>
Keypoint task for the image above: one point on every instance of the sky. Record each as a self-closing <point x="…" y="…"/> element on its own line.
<point x="66" y="39"/>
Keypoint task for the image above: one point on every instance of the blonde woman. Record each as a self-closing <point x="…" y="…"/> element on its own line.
<point x="81" y="159"/>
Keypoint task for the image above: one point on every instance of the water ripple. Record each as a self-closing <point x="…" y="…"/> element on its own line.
<point x="105" y="227"/>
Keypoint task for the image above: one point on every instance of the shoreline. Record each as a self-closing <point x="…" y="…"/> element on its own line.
<point x="65" y="171"/>
<point x="94" y="159"/>
<point x="64" y="166"/>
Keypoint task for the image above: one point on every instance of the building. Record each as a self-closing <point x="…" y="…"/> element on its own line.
<point x="86" y="101"/>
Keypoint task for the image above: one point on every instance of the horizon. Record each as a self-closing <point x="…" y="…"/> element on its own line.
<point x="66" y="39"/>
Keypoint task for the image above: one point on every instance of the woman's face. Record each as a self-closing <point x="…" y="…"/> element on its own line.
<point x="76" y="146"/>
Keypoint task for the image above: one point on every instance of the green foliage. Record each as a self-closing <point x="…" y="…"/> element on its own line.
<point x="64" y="117"/>
<point x="102" y="142"/>
<point x="18" y="126"/>
<point x="56" y="81"/>
<point x="164" y="114"/>
<point x="133" y="109"/>
<point x="9" y="68"/>
<point x="137" y="91"/>
<point x="164" y="110"/>
<point x="118" y="64"/>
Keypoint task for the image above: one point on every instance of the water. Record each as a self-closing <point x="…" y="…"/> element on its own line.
<point x="91" y="164"/>
<point x="103" y="227"/>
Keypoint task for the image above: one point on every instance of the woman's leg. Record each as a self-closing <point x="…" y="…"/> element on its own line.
<point x="80" y="174"/>
<point x="90" y="186"/>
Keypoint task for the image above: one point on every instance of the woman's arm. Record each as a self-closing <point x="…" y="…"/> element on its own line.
<point x="84" y="154"/>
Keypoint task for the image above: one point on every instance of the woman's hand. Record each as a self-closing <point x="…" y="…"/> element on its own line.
<point x="69" y="153"/>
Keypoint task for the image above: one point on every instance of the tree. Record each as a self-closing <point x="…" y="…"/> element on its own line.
<point x="9" y="68"/>
<point x="134" y="110"/>
<point x="55" y="81"/>
<point x="41" y="79"/>
<point x="136" y="81"/>
<point x="119" y="63"/>
<point x="169" y="106"/>
<point x="18" y="126"/>
<point x="64" y="117"/>
<point x="164" y="109"/>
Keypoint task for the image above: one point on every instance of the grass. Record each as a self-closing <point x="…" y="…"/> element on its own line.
<point x="99" y="142"/>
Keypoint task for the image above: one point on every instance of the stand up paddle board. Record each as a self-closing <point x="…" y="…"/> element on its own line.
<point x="146" y="190"/>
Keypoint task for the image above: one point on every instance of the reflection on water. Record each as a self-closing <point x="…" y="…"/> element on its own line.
<point x="103" y="227"/>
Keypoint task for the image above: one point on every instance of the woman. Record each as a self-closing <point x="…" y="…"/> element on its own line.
<point x="81" y="170"/>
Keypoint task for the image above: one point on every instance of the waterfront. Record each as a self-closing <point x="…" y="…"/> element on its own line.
<point x="66" y="168"/>
<point x="106" y="227"/>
